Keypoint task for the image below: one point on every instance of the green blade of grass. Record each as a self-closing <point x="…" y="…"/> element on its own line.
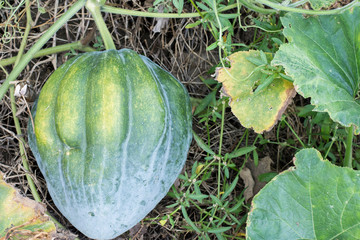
<point x="188" y="220"/>
<point x="230" y="189"/>
<point x="202" y="145"/>
<point x="241" y="151"/>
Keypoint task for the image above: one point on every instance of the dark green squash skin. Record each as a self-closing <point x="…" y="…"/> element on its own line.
<point x="112" y="132"/>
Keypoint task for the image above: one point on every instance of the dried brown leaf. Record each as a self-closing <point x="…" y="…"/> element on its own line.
<point x="246" y="176"/>
<point x="264" y="166"/>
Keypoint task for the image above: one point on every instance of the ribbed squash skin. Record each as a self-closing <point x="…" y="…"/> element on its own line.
<point x="112" y="131"/>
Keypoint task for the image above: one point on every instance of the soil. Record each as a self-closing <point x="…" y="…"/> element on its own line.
<point x="177" y="49"/>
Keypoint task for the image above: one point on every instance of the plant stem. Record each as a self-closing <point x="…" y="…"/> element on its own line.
<point x="348" y="147"/>
<point x="222" y="126"/>
<point x="292" y="130"/>
<point x="38" y="45"/>
<point x="122" y="11"/>
<point x="26" y="33"/>
<point x="48" y="51"/>
<point x="220" y="144"/>
<point x="276" y="7"/>
<point x="25" y="162"/>
<point x="24" y="159"/>
<point x="196" y="8"/>
<point x="256" y="8"/>
<point x="333" y="139"/>
<point x="93" y="6"/>
<point x="306" y="11"/>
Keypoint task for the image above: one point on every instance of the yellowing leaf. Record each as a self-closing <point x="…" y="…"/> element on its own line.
<point x="259" y="111"/>
<point x="162" y="222"/>
<point x="22" y="218"/>
<point x="198" y="168"/>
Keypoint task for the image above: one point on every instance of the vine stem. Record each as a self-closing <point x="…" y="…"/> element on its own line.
<point x="255" y="8"/>
<point x="39" y="44"/>
<point x="93" y="6"/>
<point x="348" y="146"/>
<point x="26" y="33"/>
<point x="24" y="159"/>
<point x="281" y="7"/>
<point x="109" y="9"/>
<point x="247" y="3"/>
<point x="48" y="51"/>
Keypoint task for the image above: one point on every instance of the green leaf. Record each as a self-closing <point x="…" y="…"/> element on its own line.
<point x="256" y="61"/>
<point x="179" y="4"/>
<point x="314" y="200"/>
<point x="277" y="41"/>
<point x="219" y="236"/>
<point x="241" y="151"/>
<point x="191" y="25"/>
<point x="229" y="15"/>
<point x="202" y="145"/>
<point x="259" y="111"/>
<point x="237" y="205"/>
<point x="212" y="46"/>
<point x="188" y="220"/>
<point x="235" y="219"/>
<point x="230" y="188"/>
<point x="323" y="59"/>
<point x="218" y="230"/>
<point x="42" y="10"/>
<point x="317" y="4"/>
<point x="266" y="177"/>
<point x="198" y="197"/>
<point x="256" y="158"/>
<point x="263" y="57"/>
<point x="211" y="97"/>
<point x="306" y="110"/>
<point x="203" y="7"/>
<point x="22" y="218"/>
<point x="157" y="2"/>
<point x="216" y="200"/>
<point x="265" y="84"/>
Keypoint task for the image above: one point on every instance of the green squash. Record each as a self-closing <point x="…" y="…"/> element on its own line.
<point x="112" y="132"/>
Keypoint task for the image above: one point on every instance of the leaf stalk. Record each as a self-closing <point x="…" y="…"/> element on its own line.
<point x="110" y="9"/>
<point x="93" y="6"/>
<point x="348" y="147"/>
<point x="48" y="51"/>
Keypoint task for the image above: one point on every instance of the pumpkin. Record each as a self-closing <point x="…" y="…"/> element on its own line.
<point x="111" y="134"/>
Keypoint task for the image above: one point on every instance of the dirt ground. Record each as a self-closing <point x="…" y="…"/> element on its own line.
<point x="179" y="50"/>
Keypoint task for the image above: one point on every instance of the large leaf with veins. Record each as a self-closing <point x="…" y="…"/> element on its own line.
<point x="315" y="200"/>
<point x="323" y="58"/>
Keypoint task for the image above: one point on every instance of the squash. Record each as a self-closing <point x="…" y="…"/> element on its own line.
<point x="111" y="134"/>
